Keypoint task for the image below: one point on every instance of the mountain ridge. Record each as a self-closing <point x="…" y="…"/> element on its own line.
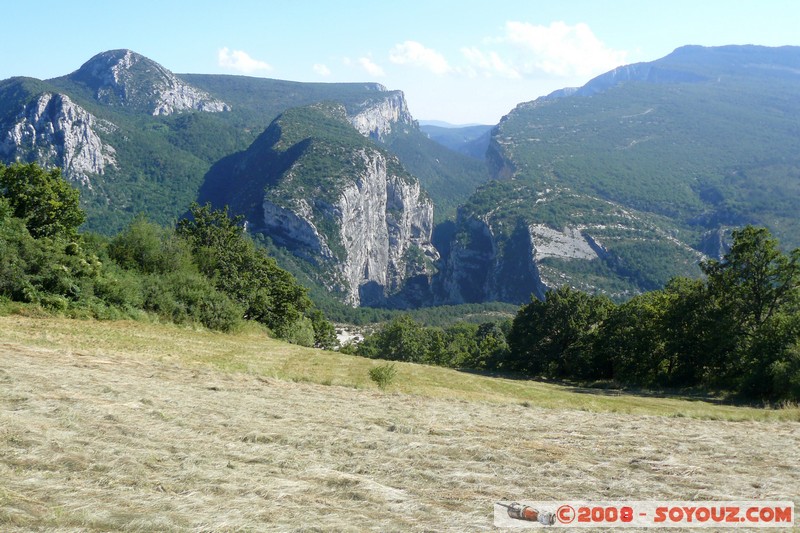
<point x="681" y="153"/>
<point x="162" y="131"/>
<point x="613" y="187"/>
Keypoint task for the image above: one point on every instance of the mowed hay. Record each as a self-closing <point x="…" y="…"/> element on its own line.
<point x="105" y="441"/>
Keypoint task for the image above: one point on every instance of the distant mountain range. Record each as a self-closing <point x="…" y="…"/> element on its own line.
<point x="470" y="140"/>
<point x="623" y="183"/>
<point x="612" y="187"/>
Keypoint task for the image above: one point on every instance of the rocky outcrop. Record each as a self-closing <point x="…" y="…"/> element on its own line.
<point x="374" y="236"/>
<point x="125" y="78"/>
<point x="296" y="226"/>
<point x="568" y="243"/>
<point x="485" y="266"/>
<point x="55" y="132"/>
<point x="376" y="118"/>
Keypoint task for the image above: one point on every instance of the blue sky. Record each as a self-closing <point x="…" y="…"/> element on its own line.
<point x="460" y="61"/>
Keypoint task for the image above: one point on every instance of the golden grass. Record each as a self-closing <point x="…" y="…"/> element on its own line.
<point x="129" y="426"/>
<point x="251" y="351"/>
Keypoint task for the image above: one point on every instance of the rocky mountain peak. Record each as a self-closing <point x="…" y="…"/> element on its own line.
<point x="56" y="132"/>
<point x="128" y="79"/>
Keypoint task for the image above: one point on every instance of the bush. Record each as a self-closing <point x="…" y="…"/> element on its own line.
<point x="42" y="198"/>
<point x="150" y="249"/>
<point x="301" y="332"/>
<point x="184" y="297"/>
<point x="383" y="375"/>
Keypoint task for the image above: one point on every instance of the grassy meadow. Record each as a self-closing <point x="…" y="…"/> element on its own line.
<point x="136" y="426"/>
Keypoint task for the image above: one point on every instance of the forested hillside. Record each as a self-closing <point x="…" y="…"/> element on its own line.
<point x="205" y="271"/>
<point x="620" y="185"/>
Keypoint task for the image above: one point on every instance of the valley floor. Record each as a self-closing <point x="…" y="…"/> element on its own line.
<point x="98" y="439"/>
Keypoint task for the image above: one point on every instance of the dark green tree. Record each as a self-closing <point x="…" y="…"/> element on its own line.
<point x="42" y="198"/>
<point x="149" y="248"/>
<point x="402" y="339"/>
<point x="754" y="281"/>
<point x="227" y="256"/>
<point x="553" y="337"/>
<point x="657" y="338"/>
<point x="754" y="294"/>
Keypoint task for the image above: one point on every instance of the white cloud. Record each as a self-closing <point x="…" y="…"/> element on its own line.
<point x="562" y="50"/>
<point x="490" y="64"/>
<point x="321" y="69"/>
<point x="415" y="54"/>
<point x="371" y="68"/>
<point x="240" y="61"/>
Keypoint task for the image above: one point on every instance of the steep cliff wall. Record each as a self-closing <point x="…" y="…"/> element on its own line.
<point x="332" y="197"/>
<point x="504" y="252"/>
<point x="377" y="118"/>
<point x="55" y="132"/>
<point x="371" y="235"/>
<point x="386" y="224"/>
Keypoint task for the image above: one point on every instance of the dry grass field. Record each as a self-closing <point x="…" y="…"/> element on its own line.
<point x="130" y="426"/>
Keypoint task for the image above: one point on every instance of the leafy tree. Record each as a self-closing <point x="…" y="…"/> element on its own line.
<point x="48" y="204"/>
<point x="149" y="248"/>
<point x="754" y="291"/>
<point x="402" y="339"/>
<point x="656" y="338"/>
<point x="754" y="280"/>
<point x="492" y="345"/>
<point x="631" y="341"/>
<point x="226" y="255"/>
<point x="552" y="337"/>
<point x="324" y="332"/>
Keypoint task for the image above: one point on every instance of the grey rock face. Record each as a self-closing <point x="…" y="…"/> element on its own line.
<point x="296" y="226"/>
<point x="377" y="119"/>
<point x="384" y="224"/>
<point x="485" y="266"/>
<point x="122" y="77"/>
<point x="55" y="132"/>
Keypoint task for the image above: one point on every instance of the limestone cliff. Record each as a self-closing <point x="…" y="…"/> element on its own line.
<point x="373" y="234"/>
<point x="55" y="132"/>
<point x="589" y="242"/>
<point x="336" y="200"/>
<point x="378" y="117"/>
<point x="127" y="79"/>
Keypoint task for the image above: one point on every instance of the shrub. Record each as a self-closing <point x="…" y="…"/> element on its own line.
<point x="300" y="332"/>
<point x="383" y="375"/>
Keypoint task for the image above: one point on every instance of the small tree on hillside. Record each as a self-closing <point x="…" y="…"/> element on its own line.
<point x="48" y="204"/>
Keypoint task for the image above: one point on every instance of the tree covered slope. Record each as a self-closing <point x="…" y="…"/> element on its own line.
<point x="645" y="166"/>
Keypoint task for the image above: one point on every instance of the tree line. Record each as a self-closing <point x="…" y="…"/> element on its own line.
<point x="736" y="331"/>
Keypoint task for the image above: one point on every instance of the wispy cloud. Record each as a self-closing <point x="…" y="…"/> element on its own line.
<point x="562" y="50"/>
<point x="415" y="54"/>
<point x="240" y="61"/>
<point x="321" y="69"/>
<point x="371" y="68"/>
<point x="489" y="64"/>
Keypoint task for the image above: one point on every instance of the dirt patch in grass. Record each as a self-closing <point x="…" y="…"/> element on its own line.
<point x="99" y="439"/>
